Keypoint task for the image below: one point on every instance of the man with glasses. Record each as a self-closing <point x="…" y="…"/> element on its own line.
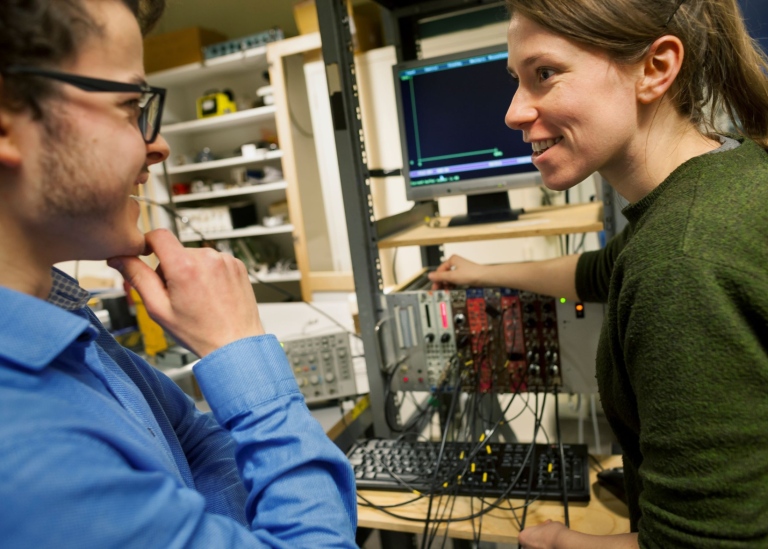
<point x="97" y="449"/>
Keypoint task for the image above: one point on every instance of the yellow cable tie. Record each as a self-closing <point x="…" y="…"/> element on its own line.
<point x="461" y="455"/>
<point x="485" y="477"/>
<point x="417" y="492"/>
<point x="488" y="448"/>
<point x="445" y="485"/>
<point x="472" y="467"/>
<point x="458" y="480"/>
<point x="469" y="363"/>
<point x="482" y="437"/>
<point x="549" y="468"/>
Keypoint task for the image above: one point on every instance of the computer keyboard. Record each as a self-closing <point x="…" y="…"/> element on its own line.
<point x="467" y="469"/>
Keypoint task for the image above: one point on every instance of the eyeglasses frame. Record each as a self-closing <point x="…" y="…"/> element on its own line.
<point x="89" y="84"/>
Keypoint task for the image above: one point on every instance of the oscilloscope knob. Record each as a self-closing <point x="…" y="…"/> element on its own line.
<point x="429" y="338"/>
<point x="459" y="319"/>
<point x="445" y="338"/>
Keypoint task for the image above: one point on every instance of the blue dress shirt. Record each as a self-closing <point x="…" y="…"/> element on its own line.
<point x="99" y="449"/>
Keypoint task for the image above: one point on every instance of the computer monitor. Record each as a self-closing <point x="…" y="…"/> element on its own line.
<point x="453" y="135"/>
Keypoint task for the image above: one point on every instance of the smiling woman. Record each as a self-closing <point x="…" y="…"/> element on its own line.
<point x="625" y="88"/>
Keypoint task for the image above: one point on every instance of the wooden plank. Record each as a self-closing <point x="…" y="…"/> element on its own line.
<point x="545" y="221"/>
<point x="331" y="281"/>
<point x="276" y="52"/>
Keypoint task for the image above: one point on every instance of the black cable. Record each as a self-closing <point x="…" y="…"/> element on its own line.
<point x="597" y="462"/>
<point x="537" y="424"/>
<point x="368" y="503"/>
<point x="452" y="407"/>
<point x="562" y="461"/>
<point x="291" y="114"/>
<point x="580" y="246"/>
<point x="394" y="264"/>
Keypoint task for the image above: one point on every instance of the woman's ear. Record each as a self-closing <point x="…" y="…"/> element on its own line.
<point x="661" y="65"/>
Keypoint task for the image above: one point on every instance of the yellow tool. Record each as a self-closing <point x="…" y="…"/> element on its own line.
<point x="152" y="333"/>
<point x="216" y="103"/>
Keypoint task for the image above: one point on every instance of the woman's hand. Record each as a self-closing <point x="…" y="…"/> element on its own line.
<point x="456" y="271"/>
<point x="542" y="536"/>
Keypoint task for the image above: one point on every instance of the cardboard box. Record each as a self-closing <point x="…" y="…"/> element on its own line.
<point x="366" y="23"/>
<point x="181" y="47"/>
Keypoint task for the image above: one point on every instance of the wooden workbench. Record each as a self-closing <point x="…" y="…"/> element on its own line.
<point x="603" y="515"/>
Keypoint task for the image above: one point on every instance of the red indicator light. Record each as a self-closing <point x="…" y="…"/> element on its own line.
<point x="405" y="380"/>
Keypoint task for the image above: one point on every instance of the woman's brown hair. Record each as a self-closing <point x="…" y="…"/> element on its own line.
<point x="724" y="70"/>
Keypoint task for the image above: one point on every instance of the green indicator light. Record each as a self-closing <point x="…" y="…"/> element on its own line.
<point x="562" y="300"/>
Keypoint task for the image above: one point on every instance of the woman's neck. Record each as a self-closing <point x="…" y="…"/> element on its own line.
<point x="667" y="142"/>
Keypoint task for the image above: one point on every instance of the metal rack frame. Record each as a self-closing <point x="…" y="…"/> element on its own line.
<point x="401" y="19"/>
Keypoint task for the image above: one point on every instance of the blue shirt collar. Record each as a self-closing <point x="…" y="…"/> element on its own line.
<point x="33" y="332"/>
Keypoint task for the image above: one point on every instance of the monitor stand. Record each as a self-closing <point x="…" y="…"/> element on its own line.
<point x="486" y="208"/>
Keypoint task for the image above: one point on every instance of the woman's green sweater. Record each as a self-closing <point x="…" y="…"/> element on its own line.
<point x="682" y="364"/>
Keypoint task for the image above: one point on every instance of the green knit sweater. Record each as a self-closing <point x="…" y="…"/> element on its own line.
<point x="682" y="363"/>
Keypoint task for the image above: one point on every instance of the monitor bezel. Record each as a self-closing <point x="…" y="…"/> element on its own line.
<point x="480" y="185"/>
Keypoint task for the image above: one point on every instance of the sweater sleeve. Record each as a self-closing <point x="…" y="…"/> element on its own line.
<point x="594" y="269"/>
<point x="699" y="370"/>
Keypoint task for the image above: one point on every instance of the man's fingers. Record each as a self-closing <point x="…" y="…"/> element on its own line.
<point x="163" y="243"/>
<point x="150" y="286"/>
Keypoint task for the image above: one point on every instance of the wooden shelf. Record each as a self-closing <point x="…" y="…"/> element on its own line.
<point x="545" y="221"/>
<point x="224" y="121"/>
<point x="212" y="68"/>
<point x="214" y="164"/>
<point x="237" y="191"/>
<point x="256" y="230"/>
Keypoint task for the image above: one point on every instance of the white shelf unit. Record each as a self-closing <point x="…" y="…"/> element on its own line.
<point x="231" y="162"/>
<point x="242" y="73"/>
<point x="237" y="191"/>
<point x="231" y="120"/>
<point x="272" y="278"/>
<point x="244" y="232"/>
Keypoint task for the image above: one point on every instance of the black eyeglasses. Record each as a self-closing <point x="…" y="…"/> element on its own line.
<point x="150" y="103"/>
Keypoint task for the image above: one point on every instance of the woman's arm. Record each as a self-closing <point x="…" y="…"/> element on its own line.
<point x="555" y="535"/>
<point x="553" y="277"/>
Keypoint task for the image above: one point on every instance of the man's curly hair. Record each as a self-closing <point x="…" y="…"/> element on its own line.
<point x="46" y="33"/>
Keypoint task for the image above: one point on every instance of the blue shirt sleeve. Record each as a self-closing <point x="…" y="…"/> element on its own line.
<point x="71" y="485"/>
<point x="300" y="485"/>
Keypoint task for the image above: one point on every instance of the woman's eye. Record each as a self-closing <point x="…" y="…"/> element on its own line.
<point x="544" y="74"/>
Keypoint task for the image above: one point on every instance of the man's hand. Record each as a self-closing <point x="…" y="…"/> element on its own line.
<point x="200" y="296"/>
<point x="456" y="271"/>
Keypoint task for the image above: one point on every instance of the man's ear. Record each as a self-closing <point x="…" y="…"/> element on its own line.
<point x="661" y="65"/>
<point x="10" y="155"/>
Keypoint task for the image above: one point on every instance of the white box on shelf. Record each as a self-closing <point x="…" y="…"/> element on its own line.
<point x="204" y="220"/>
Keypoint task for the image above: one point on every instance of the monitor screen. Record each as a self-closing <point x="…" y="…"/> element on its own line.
<point x="452" y="129"/>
